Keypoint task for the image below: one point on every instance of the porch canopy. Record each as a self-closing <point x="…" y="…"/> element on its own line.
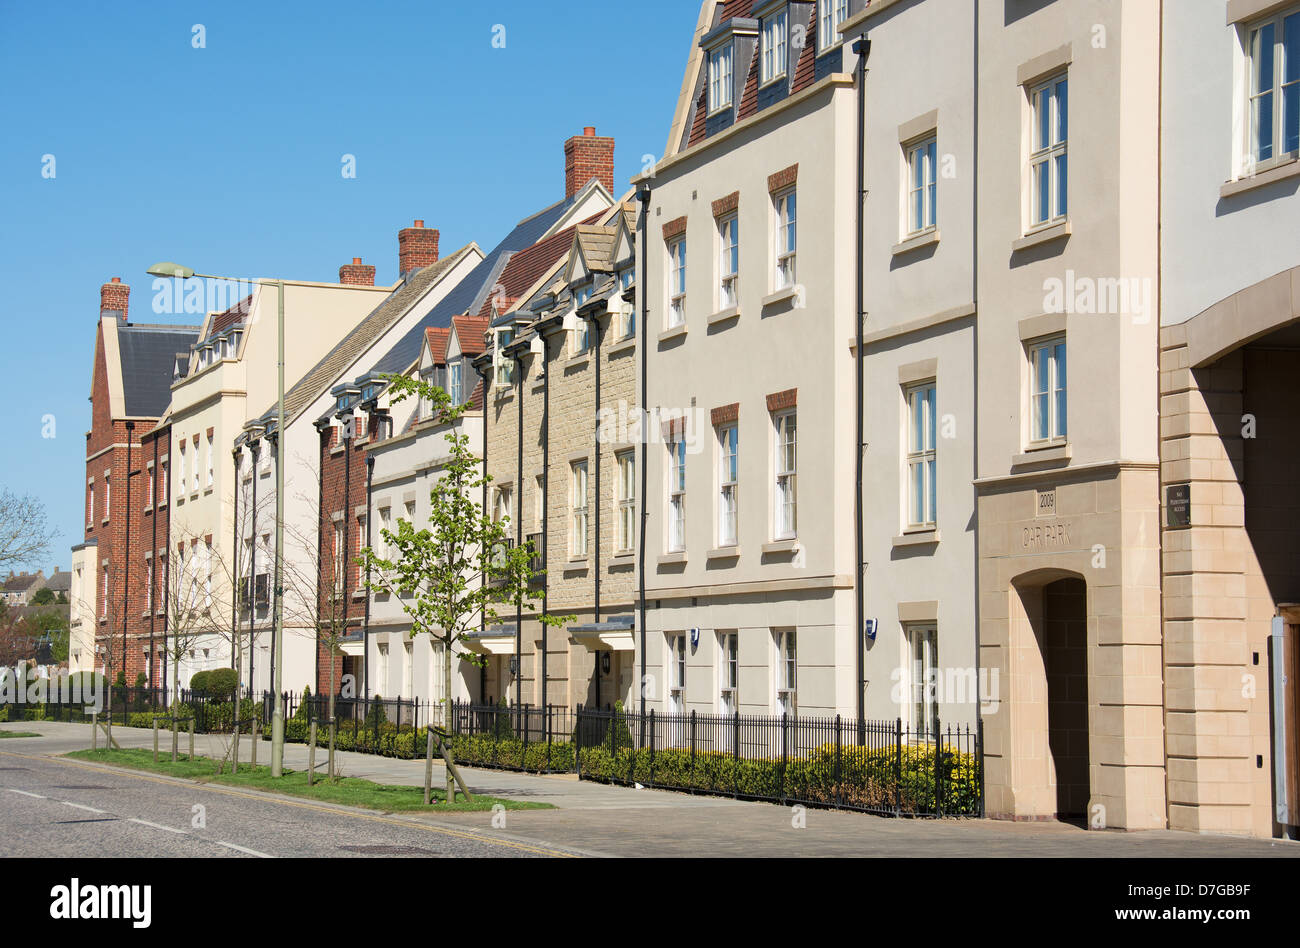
<point x="614" y="635"/>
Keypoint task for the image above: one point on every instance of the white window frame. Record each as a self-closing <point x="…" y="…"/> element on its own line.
<point x="785" y="208"/>
<point x="728" y="261"/>
<point x="728" y="485"/>
<point x="922" y="185"/>
<point x="625" y="537"/>
<point x="677" y="495"/>
<point x="1049" y="159"/>
<point x="1277" y="93"/>
<point x="676" y="673"/>
<point x="212" y="474"/>
<point x="921" y="402"/>
<point x="338" y="558"/>
<point x="90" y="504"/>
<point x="455" y="383"/>
<point x="921" y="650"/>
<point x="785" y="485"/>
<point x="108" y="496"/>
<point x="721" y="77"/>
<point x="1052" y="391"/>
<point x="775" y="47"/>
<point x="578" y="505"/>
<point x="103" y="599"/>
<point x="786" y="666"/>
<point x="728" y="674"/>
<point x="830" y="14"/>
<point x="677" y="281"/>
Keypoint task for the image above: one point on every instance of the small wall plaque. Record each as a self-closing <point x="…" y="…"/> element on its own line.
<point x="1178" y="506"/>
<point x="1045" y="503"/>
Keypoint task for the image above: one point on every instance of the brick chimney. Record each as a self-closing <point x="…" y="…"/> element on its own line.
<point x="417" y="246"/>
<point x="357" y="273"/>
<point x="114" y="296"/>
<point x="587" y="157"/>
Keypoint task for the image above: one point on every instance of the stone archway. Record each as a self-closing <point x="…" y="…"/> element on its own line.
<point x="1048" y="696"/>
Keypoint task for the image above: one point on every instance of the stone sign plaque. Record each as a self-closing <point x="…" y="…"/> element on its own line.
<point x="1045" y="503"/>
<point x="1178" y="506"/>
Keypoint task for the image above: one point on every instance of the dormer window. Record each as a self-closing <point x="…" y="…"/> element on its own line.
<point x="830" y="14"/>
<point x="720" y="77"/>
<point x="504" y="364"/>
<point x="776" y="50"/>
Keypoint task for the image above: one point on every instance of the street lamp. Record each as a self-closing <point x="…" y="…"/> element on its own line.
<point x="169" y="270"/>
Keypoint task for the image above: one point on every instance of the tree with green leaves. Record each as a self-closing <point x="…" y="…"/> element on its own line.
<point x="455" y="574"/>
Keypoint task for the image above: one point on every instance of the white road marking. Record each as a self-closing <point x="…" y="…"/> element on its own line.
<point x="26" y="794"/>
<point x="243" y="849"/>
<point x="159" y="826"/>
<point x="78" y="806"/>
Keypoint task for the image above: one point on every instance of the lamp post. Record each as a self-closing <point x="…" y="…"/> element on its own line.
<point x="166" y="270"/>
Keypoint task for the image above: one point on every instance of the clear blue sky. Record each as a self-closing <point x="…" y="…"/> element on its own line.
<point x="228" y="158"/>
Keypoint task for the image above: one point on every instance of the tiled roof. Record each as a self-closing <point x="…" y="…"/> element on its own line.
<point x="20" y="583"/>
<point x="318" y="381"/>
<point x="470" y="293"/>
<point x="597" y="245"/>
<point x="470" y="330"/>
<point x="59" y="582"/>
<point x="529" y="265"/>
<point x="232" y="317"/>
<point x="148" y="363"/>
<point x="437" y="337"/>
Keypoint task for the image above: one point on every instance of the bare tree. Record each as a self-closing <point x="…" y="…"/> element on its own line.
<point x="25" y="531"/>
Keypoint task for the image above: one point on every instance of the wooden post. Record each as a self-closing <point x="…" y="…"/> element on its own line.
<point x="254" y="742"/>
<point x="94" y="732"/>
<point x="155" y="739"/>
<point x="428" y="765"/>
<point x="450" y="762"/>
<point x="192" y="738"/>
<point x="311" y="757"/>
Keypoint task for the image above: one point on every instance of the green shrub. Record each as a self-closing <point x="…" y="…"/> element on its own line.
<point x="222" y="683"/>
<point x="199" y="682"/>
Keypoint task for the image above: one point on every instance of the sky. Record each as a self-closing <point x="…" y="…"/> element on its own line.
<point x="223" y="148"/>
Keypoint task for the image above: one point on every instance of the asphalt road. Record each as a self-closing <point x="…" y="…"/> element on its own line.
<point x="60" y="808"/>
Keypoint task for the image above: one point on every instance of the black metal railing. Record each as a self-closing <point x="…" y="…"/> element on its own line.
<point x="874" y="766"/>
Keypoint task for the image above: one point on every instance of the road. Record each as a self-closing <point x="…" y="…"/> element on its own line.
<point x="59" y="808"/>
<point x="50" y="806"/>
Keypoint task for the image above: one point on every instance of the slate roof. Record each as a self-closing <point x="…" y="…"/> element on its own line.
<point x="316" y="382"/>
<point x="471" y="293"/>
<point x="148" y="357"/>
<point x="59" y="583"/>
<point x="20" y="582"/>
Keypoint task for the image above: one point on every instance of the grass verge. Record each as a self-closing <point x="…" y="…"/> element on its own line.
<point x="349" y="791"/>
<point x="4" y="733"/>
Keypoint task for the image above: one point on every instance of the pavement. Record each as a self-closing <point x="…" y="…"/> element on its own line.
<point x="51" y="807"/>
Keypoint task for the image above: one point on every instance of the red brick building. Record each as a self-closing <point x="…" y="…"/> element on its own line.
<point x="126" y="483"/>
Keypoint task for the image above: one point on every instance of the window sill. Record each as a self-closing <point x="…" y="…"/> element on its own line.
<point x="579" y="361"/>
<point x="622" y="559"/>
<point x="668" y="335"/>
<point x="917" y="538"/>
<point x="501" y="396"/>
<point x="618" y="348"/>
<point x="781" y="547"/>
<point x="724" y="315"/>
<point x="724" y="553"/>
<point x="1042" y="236"/>
<point x="105" y="523"/>
<point x="1047" y="454"/>
<point x="780" y="296"/>
<point x="1282" y="171"/>
<point x="927" y="238"/>
<point x="673" y="559"/>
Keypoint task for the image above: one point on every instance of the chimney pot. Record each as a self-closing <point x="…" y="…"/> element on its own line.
<point x="419" y="223"/>
<point x="356" y="273"/>
<point x="589" y="131"/>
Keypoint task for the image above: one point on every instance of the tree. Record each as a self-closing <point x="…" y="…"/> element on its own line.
<point x="43" y="597"/>
<point x="25" y="531"/>
<point x="435" y="572"/>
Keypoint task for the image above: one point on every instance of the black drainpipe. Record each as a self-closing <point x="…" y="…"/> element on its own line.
<point x="546" y="499"/>
<point x="482" y="370"/>
<point x="519" y="537"/>
<point x="641" y="277"/>
<point x="595" y="322"/>
<point x="863" y="48"/>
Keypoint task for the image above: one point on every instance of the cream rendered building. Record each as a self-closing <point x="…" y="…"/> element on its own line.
<point x="233" y="369"/>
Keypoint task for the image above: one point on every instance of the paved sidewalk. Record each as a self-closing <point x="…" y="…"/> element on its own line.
<point x="621" y="821"/>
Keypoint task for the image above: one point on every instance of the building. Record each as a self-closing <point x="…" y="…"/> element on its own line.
<point x="133" y="370"/>
<point x="19" y="588"/>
